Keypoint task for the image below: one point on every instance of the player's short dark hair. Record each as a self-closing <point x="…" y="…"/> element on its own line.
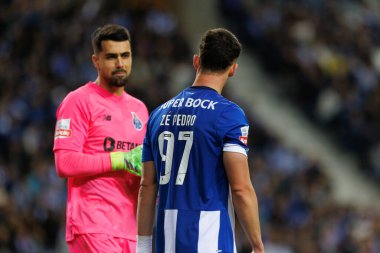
<point x="108" y="32"/>
<point x="218" y="50"/>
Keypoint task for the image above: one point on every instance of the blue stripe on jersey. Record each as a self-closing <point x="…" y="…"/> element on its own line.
<point x="226" y="235"/>
<point x="160" y="235"/>
<point x="187" y="235"/>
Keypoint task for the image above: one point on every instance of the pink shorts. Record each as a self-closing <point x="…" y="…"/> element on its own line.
<point x="100" y="243"/>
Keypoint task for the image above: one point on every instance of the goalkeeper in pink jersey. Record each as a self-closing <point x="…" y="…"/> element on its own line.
<point x="97" y="141"/>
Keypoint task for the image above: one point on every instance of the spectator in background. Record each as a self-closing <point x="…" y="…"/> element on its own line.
<point x="97" y="125"/>
<point x="325" y="55"/>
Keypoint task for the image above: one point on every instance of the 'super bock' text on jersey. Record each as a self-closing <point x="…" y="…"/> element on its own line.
<point x="186" y="138"/>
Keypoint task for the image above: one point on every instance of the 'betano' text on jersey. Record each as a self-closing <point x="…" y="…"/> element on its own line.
<point x="186" y="138"/>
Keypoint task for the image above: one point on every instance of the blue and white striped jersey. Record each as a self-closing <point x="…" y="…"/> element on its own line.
<point x="186" y="138"/>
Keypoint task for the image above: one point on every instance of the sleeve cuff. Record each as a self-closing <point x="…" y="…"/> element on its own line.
<point x="228" y="147"/>
<point x="144" y="244"/>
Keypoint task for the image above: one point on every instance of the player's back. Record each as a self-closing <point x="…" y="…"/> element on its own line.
<point x="186" y="138"/>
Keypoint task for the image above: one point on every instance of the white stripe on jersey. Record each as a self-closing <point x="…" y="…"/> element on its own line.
<point x="228" y="147"/>
<point x="209" y="224"/>
<point x="170" y="225"/>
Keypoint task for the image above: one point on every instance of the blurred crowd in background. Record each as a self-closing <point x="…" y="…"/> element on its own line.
<point x="325" y="57"/>
<point x="45" y="52"/>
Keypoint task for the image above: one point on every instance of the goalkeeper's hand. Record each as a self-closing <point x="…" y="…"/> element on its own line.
<point x="129" y="161"/>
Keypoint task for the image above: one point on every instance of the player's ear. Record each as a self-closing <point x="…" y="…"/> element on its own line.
<point x="196" y="61"/>
<point x="95" y="61"/>
<point x="232" y="70"/>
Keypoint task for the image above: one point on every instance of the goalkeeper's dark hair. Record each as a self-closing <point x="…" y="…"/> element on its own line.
<point x="219" y="49"/>
<point x="108" y="32"/>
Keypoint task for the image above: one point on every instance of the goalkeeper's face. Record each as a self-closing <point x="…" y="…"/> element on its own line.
<point x="114" y="62"/>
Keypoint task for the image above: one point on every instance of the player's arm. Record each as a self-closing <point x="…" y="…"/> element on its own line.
<point x="70" y="163"/>
<point x="75" y="164"/>
<point x="146" y="207"/>
<point x="244" y="197"/>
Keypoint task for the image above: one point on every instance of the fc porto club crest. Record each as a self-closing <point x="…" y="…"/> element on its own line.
<point x="136" y="121"/>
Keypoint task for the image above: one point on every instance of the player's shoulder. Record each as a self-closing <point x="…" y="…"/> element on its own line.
<point x="156" y="111"/>
<point x="134" y="100"/>
<point x="232" y="110"/>
<point x="75" y="100"/>
<point x="136" y="105"/>
<point x="77" y="95"/>
<point x="234" y="106"/>
<point x="228" y="104"/>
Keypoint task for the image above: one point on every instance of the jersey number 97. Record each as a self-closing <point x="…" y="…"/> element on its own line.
<point x="167" y="156"/>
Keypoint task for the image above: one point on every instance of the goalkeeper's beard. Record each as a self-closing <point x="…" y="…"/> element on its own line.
<point x="118" y="81"/>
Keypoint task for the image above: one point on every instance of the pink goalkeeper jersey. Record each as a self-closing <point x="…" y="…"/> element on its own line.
<point x="93" y="121"/>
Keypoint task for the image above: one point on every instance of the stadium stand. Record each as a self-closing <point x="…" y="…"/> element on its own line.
<point x="324" y="56"/>
<point x="302" y="50"/>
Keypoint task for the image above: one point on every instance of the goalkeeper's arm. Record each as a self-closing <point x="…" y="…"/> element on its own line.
<point x="74" y="164"/>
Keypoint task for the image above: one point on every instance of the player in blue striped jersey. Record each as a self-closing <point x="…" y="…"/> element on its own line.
<point x="195" y="159"/>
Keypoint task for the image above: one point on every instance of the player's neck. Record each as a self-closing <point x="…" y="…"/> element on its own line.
<point x="118" y="91"/>
<point x="214" y="81"/>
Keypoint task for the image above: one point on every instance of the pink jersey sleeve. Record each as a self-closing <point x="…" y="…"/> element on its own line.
<point x="70" y="135"/>
<point x="72" y="123"/>
<point x="71" y="163"/>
